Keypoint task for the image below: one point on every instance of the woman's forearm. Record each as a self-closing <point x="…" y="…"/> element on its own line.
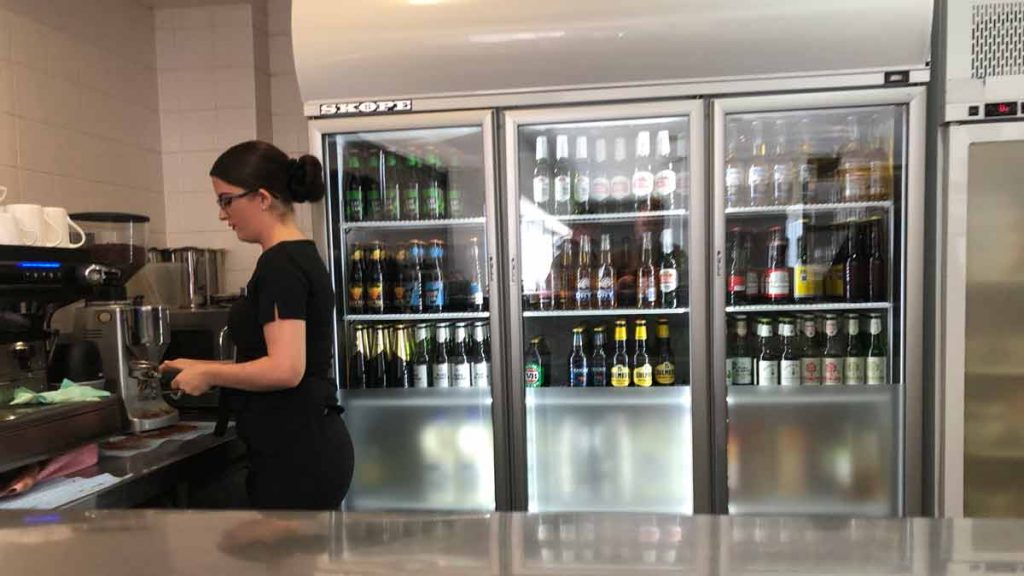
<point x="260" y="375"/>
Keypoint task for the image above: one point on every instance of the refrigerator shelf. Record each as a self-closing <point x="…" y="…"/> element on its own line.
<point x="806" y="208"/>
<point x="400" y="224"/>
<point x="605" y="218"/>
<point x="425" y="316"/>
<point x="810" y="395"/>
<point x="614" y="312"/>
<point x="829" y="307"/>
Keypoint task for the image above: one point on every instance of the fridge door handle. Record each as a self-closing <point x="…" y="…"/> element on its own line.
<point x="718" y="263"/>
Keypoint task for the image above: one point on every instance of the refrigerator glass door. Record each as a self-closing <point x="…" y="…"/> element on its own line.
<point x="411" y="220"/>
<point x="811" y="320"/>
<point x="603" y="205"/>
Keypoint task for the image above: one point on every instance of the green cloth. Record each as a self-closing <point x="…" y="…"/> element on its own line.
<point x="68" y="392"/>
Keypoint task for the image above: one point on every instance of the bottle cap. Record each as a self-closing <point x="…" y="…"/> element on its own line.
<point x="620" y="149"/>
<point x="664" y="145"/>
<point x="601" y="150"/>
<point x="542" y="147"/>
<point x="581" y="147"/>
<point x="562" y="146"/>
<point x="643" y="143"/>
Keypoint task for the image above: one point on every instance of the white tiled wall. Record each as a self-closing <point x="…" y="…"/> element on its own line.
<point x="78" y="106"/>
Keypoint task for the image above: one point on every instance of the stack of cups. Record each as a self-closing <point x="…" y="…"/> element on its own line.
<point x="36" y="225"/>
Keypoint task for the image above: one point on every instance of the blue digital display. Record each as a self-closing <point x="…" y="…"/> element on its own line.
<point x="42" y="519"/>
<point x="38" y="264"/>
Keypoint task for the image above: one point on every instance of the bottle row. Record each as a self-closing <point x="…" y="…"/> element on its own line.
<point x="596" y="366"/>
<point x="586" y="538"/>
<point x="575" y="283"/>
<point x="837" y="262"/>
<point x="382" y="184"/>
<point x="809" y="357"/>
<point x="416" y="279"/>
<point x="615" y="184"/>
<point x="420" y="356"/>
<point x="858" y="169"/>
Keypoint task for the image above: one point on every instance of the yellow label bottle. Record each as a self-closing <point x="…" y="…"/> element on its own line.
<point x="642" y="370"/>
<point x="620" y="362"/>
<point x="665" y="370"/>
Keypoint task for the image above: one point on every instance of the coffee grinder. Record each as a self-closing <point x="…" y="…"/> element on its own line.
<point x="131" y="337"/>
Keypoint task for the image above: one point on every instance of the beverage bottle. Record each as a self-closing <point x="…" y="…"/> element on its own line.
<point x="806" y="284"/>
<point x="380" y="358"/>
<point x="833" y="365"/>
<point x="855" y="269"/>
<point x="739" y="361"/>
<point x="371" y="185"/>
<point x="759" y="175"/>
<point x="402" y="359"/>
<point x="790" y="361"/>
<point x="665" y="369"/>
<point x="877" y="290"/>
<point x="834" y="277"/>
<point x="375" y="281"/>
<point x="599" y="360"/>
<point x="600" y="181"/>
<point x="810" y="363"/>
<point x="434" y="198"/>
<point x="414" y="278"/>
<point x="879" y="162"/>
<point x="665" y="173"/>
<point x="753" y="271"/>
<point x="440" y="370"/>
<point x="768" y="358"/>
<point x="487" y="339"/>
<point x="542" y="176"/>
<point x="620" y="360"/>
<point x="878" y="354"/>
<point x="783" y="170"/>
<point x="399" y="297"/>
<point x="578" y="369"/>
<point x="642" y="183"/>
<point x="357" y="364"/>
<point x="855" y="366"/>
<point x="411" y="191"/>
<point x="807" y="171"/>
<point x="777" y="273"/>
<point x="460" y="370"/>
<point x="355" y="199"/>
<point x="548" y="292"/>
<point x="736" y="285"/>
<point x="392" y="187"/>
<point x="584" y="276"/>
<point x="627" y="282"/>
<point x="534" y="368"/>
<point x="647" y="282"/>
<point x="682" y="166"/>
<point x="369" y="346"/>
<point x="481" y="364"/>
<point x="356" y="283"/>
<point x="456" y="205"/>
<point x="668" y="272"/>
<point x="476" y="290"/>
<point x="434" y="296"/>
<point x="620" y="179"/>
<point x="421" y="359"/>
<point x="735" y="173"/>
<point x="581" y="178"/>
<point x="606" y="278"/>
<point x="643" y="372"/>
<point x="567" y="277"/>
<point x="854" y="171"/>
<point x="562" y="175"/>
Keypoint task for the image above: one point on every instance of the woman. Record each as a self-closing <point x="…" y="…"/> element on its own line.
<point x="300" y="454"/>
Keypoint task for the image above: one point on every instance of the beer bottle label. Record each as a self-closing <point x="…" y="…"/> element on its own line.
<point x="620" y="188"/>
<point x="435" y="206"/>
<point x="462" y="375"/>
<point x="605" y="291"/>
<point x="668" y="280"/>
<point x="375" y="294"/>
<point x="578" y="377"/>
<point x="789" y="372"/>
<point x="810" y="371"/>
<point x="600" y="189"/>
<point x="648" y="291"/>
<point x="664" y="183"/>
<point x="753" y="283"/>
<point x="620" y="376"/>
<point x="481" y="374"/>
<point x="534" y="375"/>
<point x="541" y="189"/>
<point x="758" y="176"/>
<point x="743" y="371"/>
<point x="355" y="296"/>
<point x="411" y="203"/>
<point x="399" y="294"/>
<point x="583" y="293"/>
<point x="476" y="295"/>
<point x="642" y="375"/>
<point x="434" y="293"/>
<point x="768" y="373"/>
<point x="420" y="376"/>
<point x="778" y="283"/>
<point x="414" y="294"/>
<point x="876" y="371"/>
<point x="355" y="205"/>
<point x="441" y="376"/>
<point x="854" y="371"/>
<point x="643" y="184"/>
<point x="782" y="174"/>
<point x="562" y="188"/>
<point x="665" y="374"/>
<point x="600" y="376"/>
<point x="737" y="283"/>
<point x="854" y="185"/>
<point x="581" y="191"/>
<point x="730" y="367"/>
<point x="733" y="176"/>
<point x="833" y="371"/>
<point x="455" y="202"/>
<point x="803" y="282"/>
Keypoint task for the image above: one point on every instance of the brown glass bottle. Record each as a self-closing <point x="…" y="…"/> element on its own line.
<point x="736" y="287"/>
<point x="647" y="280"/>
<point x="606" y="277"/>
<point x="855" y="271"/>
<point x="777" y="283"/>
<point x="566" y="299"/>
<point x="877" y="291"/>
<point x="584" y="276"/>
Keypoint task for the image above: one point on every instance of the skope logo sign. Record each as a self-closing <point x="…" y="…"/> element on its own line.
<point x="365" y="107"/>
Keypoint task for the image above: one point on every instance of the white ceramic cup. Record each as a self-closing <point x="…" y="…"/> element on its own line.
<point x="58" y="231"/>
<point x="31" y="222"/>
<point x="10" y="233"/>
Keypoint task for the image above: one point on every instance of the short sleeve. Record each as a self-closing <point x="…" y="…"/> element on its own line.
<point x="282" y="286"/>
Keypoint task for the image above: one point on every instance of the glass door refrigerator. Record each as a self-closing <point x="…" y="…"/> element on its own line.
<point x="817" y="295"/>
<point x="411" y="238"/>
<point x="605" y="209"/>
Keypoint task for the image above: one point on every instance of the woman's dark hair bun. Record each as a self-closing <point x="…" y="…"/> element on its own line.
<point x="306" y="179"/>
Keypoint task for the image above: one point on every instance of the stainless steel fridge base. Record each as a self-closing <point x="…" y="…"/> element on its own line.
<point x="419" y="317"/>
<point x="405" y="224"/>
<point x="613" y="312"/>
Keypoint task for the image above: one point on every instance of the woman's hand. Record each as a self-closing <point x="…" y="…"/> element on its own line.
<point x="194" y="376"/>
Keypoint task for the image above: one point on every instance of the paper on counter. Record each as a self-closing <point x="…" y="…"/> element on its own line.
<point x="59" y="492"/>
<point x="149" y="443"/>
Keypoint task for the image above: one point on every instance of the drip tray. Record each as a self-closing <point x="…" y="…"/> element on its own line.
<point x="31" y="433"/>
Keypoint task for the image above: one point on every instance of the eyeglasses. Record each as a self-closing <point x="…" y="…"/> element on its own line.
<point x="225" y="200"/>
